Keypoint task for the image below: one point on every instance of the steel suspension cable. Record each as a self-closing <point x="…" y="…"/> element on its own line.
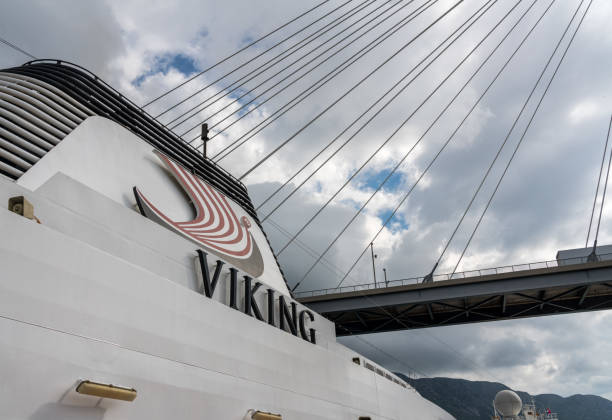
<point x="319" y="84"/>
<point x="277" y="148"/>
<point x="16" y="48"/>
<point x="389" y="101"/>
<point x="355" y="121"/>
<point x="603" y="159"/>
<point x="250" y="110"/>
<point x="307" y="249"/>
<point x="234" y="54"/>
<point x="526" y="128"/>
<point x="448" y="140"/>
<point x="242" y="81"/>
<point x="390" y="174"/>
<point x="603" y="199"/>
<point x="249" y="61"/>
<point x="271" y="62"/>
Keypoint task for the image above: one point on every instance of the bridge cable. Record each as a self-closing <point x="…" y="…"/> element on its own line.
<point x="241" y="50"/>
<point x="448" y="140"/>
<point x="307" y="249"/>
<point x="260" y="70"/>
<point x="320" y="82"/>
<point x="532" y="117"/>
<point x="329" y="144"/>
<point x="250" y="110"/>
<point x="603" y="159"/>
<point x="283" y="55"/>
<point x="388" y="176"/>
<point x="182" y="101"/>
<point x="16" y="48"/>
<point x="368" y="110"/>
<point x="323" y="81"/>
<point x="277" y="148"/>
<point x="603" y="199"/>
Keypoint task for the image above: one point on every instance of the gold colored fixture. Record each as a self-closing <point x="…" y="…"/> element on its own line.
<point x="106" y="391"/>
<point x="260" y="415"/>
<point x="21" y="206"/>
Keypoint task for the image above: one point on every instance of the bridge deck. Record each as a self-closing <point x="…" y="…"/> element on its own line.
<point x="545" y="291"/>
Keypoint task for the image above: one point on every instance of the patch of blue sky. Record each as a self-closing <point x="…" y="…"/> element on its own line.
<point x="162" y="64"/>
<point x="244" y="97"/>
<point x="351" y="203"/>
<point x="246" y="40"/>
<point x="396" y="224"/>
<point x="372" y="180"/>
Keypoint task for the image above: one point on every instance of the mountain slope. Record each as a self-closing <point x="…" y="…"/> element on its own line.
<point x="473" y="400"/>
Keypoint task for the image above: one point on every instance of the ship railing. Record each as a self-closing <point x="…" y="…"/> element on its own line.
<point x="142" y="111"/>
<point x="454" y="276"/>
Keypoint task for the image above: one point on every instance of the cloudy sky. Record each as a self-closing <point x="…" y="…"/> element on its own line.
<point x="143" y="48"/>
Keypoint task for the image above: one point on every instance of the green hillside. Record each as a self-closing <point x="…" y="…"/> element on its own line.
<point x="473" y="400"/>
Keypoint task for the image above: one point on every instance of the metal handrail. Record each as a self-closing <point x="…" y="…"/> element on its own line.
<point x="452" y="276"/>
<point x="140" y="109"/>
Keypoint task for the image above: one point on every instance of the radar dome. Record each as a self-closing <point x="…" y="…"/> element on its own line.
<point x="508" y="403"/>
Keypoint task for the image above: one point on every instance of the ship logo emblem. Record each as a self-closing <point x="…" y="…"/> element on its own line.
<point x="215" y="227"/>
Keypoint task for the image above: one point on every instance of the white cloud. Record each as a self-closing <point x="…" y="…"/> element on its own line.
<point x="543" y="203"/>
<point x="585" y="110"/>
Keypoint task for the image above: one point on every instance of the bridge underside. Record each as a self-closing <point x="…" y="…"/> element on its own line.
<point x="548" y="291"/>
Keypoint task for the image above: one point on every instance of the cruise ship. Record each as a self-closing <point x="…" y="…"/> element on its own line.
<point x="508" y="406"/>
<point x="137" y="281"/>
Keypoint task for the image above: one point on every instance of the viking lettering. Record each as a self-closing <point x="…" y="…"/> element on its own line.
<point x="209" y="287"/>
<point x="305" y="336"/>
<point x="271" y="307"/>
<point x="250" y="305"/>
<point x="233" y="288"/>
<point x="285" y="315"/>
<point x="288" y="317"/>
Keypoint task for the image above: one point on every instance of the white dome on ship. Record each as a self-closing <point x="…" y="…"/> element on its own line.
<point x="508" y="403"/>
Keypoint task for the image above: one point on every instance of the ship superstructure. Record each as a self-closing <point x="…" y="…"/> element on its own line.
<point x="137" y="281"/>
<point x="509" y="406"/>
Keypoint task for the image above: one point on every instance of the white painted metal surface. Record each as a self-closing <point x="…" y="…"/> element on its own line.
<point x="99" y="292"/>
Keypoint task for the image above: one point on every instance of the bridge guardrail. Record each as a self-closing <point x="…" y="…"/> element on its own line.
<point x="451" y="276"/>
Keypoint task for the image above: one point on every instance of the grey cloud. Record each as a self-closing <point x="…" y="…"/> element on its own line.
<point x="83" y="32"/>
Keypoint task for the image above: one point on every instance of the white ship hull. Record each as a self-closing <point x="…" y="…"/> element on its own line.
<point x="96" y="291"/>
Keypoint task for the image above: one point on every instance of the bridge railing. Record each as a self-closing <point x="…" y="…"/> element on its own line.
<point x="452" y="276"/>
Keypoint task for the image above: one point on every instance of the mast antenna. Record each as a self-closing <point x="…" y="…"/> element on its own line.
<point x="205" y="138"/>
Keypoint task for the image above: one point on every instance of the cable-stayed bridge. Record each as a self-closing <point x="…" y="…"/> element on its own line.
<point x="511" y="292"/>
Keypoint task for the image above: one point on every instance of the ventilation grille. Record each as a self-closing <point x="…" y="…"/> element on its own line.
<point x="87" y="89"/>
<point x="34" y="117"/>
